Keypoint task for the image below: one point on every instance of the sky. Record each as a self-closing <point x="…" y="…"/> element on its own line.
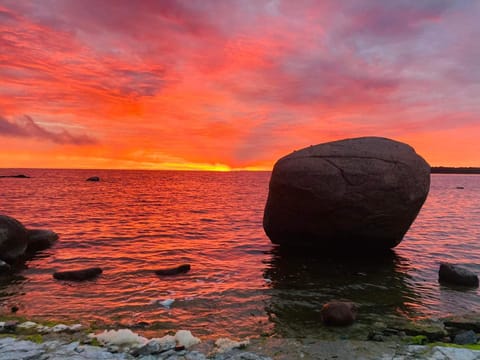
<point x="233" y="84"/>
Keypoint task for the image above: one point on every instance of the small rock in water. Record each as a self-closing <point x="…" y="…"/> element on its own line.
<point x="78" y="275"/>
<point x="456" y="275"/>
<point x="465" y="338"/>
<point x="93" y="178"/>
<point x="182" y="269"/>
<point x="338" y="313"/>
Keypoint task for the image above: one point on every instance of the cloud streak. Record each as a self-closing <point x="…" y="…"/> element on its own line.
<point x="26" y="127"/>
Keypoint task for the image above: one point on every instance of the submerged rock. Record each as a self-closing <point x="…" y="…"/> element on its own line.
<point x="13" y="238"/>
<point x="39" y="239"/>
<point x="19" y="176"/>
<point x="93" y="178"/>
<point x="338" y="313"/>
<point x="354" y="194"/>
<point x="456" y="275"/>
<point x="78" y="275"/>
<point x="182" y="269"/>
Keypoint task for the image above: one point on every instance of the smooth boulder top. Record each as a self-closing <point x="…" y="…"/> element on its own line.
<point x="360" y="193"/>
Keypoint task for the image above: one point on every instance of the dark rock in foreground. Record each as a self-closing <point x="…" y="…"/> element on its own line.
<point x="355" y="194"/>
<point x="4" y="267"/>
<point x="338" y="313"/>
<point x="93" y="178"/>
<point x="456" y="275"/>
<point x="13" y="238"/>
<point x="39" y="239"/>
<point x="20" y="176"/>
<point x="174" y="271"/>
<point x="78" y="275"/>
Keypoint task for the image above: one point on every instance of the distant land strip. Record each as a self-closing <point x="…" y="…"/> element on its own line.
<point x="454" y="170"/>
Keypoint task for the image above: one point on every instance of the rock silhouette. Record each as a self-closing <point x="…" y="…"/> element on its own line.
<point x="79" y="274"/>
<point x="349" y="195"/>
<point x="456" y="275"/>
<point x="174" y="271"/>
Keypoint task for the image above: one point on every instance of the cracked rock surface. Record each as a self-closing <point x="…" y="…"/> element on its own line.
<point x="357" y="194"/>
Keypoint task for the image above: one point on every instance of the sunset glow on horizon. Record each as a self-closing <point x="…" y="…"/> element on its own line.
<point x="234" y="84"/>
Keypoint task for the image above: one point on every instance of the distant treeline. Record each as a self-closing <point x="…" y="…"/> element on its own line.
<point x="454" y="170"/>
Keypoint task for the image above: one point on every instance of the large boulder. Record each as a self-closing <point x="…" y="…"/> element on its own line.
<point x="13" y="238"/>
<point x="353" y="194"/>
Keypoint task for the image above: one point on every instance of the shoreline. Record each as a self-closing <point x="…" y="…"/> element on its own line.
<point x="19" y="338"/>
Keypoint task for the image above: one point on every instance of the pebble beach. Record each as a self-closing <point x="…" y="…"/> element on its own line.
<point x="29" y="340"/>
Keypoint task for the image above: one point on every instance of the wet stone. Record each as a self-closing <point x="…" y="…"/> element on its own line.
<point x="466" y="337"/>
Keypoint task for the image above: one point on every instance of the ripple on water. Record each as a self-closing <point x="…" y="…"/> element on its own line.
<point x="133" y="222"/>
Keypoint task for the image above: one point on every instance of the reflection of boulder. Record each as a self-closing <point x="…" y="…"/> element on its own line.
<point x="354" y="194"/>
<point x="301" y="284"/>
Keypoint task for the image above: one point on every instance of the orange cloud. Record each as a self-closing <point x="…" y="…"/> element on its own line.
<point x="232" y="85"/>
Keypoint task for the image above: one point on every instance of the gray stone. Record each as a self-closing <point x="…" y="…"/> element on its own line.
<point x="153" y="347"/>
<point x="13" y="238"/>
<point x="466" y="337"/>
<point x="361" y="193"/>
<point x="195" y="355"/>
<point x="456" y="275"/>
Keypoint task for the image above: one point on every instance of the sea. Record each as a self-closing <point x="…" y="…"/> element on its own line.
<point x="240" y="284"/>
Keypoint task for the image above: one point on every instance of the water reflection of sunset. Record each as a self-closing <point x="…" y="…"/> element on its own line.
<point x="133" y="222"/>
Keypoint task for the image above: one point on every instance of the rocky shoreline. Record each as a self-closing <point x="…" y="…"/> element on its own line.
<point x="29" y="340"/>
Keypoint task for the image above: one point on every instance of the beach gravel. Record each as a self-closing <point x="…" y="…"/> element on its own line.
<point x="260" y="349"/>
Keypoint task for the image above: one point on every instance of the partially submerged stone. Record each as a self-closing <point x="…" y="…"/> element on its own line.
<point x="181" y="269"/>
<point x="93" y="178"/>
<point x="456" y="275"/>
<point x="354" y="194"/>
<point x="338" y="313"/>
<point x="78" y="275"/>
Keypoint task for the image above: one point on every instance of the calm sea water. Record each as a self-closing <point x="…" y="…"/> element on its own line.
<point x="132" y="222"/>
